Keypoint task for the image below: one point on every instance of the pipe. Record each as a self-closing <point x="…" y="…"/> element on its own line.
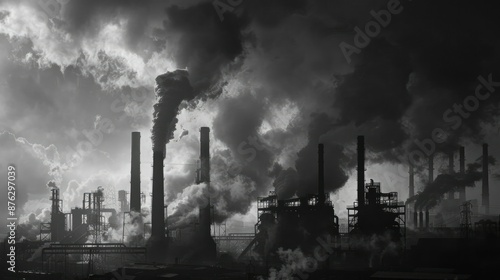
<point x="321" y="175"/>
<point x="462" y="172"/>
<point x="361" y="171"/>
<point x="135" y="173"/>
<point x="157" y="216"/>
<point x="486" y="186"/>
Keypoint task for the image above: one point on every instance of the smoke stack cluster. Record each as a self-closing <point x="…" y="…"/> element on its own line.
<point x="135" y="173"/>
<point x="321" y="175"/>
<point x="486" y="185"/>
<point x="361" y="171"/>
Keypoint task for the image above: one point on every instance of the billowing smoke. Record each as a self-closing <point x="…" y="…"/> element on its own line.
<point x="445" y="183"/>
<point x="30" y="228"/>
<point x="270" y="64"/>
<point x="171" y="89"/>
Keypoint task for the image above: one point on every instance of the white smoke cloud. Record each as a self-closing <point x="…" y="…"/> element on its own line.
<point x="102" y="55"/>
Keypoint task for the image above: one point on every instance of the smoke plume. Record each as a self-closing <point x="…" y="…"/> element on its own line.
<point x="171" y="89"/>
<point x="445" y="183"/>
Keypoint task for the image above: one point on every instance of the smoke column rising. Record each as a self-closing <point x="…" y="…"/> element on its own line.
<point x="171" y="89"/>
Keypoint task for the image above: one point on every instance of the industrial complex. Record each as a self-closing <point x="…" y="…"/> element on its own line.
<point x="384" y="238"/>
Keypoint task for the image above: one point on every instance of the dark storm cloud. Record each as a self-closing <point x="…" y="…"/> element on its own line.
<point x="204" y="44"/>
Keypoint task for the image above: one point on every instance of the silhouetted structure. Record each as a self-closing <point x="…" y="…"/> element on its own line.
<point x="135" y="173"/>
<point x="295" y="222"/>
<point x="157" y="241"/>
<point x="375" y="214"/>
<point x="206" y="248"/>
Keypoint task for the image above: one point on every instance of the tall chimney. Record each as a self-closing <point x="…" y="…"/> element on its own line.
<point x="361" y="171"/>
<point x="321" y="175"/>
<point x="206" y="249"/>
<point x="411" y="187"/>
<point x="431" y="168"/>
<point x="421" y="218"/>
<point x="415" y="217"/>
<point x="157" y="214"/>
<point x="486" y="186"/>
<point x="451" y="170"/>
<point x="204" y="177"/>
<point x="135" y="173"/>
<point x="427" y="218"/>
<point x="462" y="172"/>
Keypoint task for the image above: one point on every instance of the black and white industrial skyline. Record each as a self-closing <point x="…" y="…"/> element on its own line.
<point x="270" y="79"/>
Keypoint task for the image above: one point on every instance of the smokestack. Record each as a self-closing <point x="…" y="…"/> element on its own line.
<point x="431" y="168"/>
<point x="451" y="170"/>
<point x="135" y="173"/>
<point x="204" y="177"/>
<point x="206" y="249"/>
<point x="321" y="175"/>
<point x="361" y="171"/>
<point x="486" y="186"/>
<point x="157" y="214"/>
<point x="462" y="172"/>
<point x="421" y="216"/>
<point x="411" y="187"/>
<point x="415" y="218"/>
<point x="426" y="218"/>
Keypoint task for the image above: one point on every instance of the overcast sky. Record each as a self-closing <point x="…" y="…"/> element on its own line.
<point x="272" y="80"/>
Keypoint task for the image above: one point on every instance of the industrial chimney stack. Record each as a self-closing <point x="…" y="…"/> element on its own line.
<point x="206" y="248"/>
<point x="361" y="171"/>
<point x="411" y="187"/>
<point x="135" y="173"/>
<point x="451" y="171"/>
<point x="157" y="213"/>
<point x="204" y="177"/>
<point x="321" y="175"/>
<point x="486" y="186"/>
<point x="462" y="172"/>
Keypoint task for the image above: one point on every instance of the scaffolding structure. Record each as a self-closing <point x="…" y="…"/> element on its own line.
<point x="380" y="212"/>
<point x="313" y="212"/>
<point x="465" y="219"/>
